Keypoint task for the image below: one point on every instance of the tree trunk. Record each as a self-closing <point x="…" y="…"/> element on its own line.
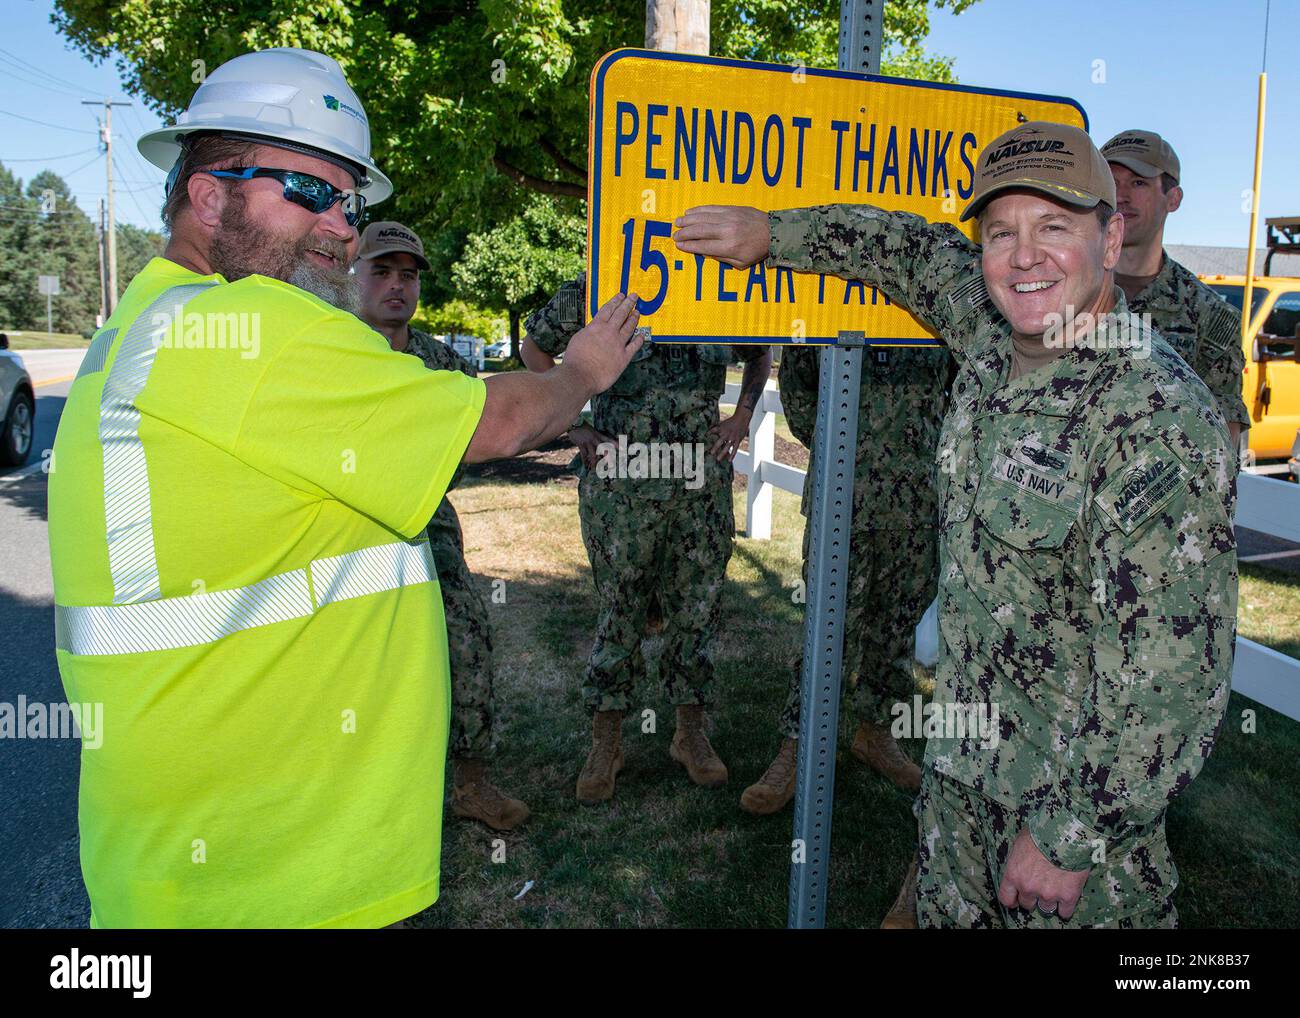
<point x="514" y="335"/>
<point x="680" y="26"/>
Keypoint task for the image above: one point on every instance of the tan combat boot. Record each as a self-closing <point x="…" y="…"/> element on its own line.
<point x="596" y="782"/>
<point x="903" y="915"/>
<point x="775" y="788"/>
<point x="474" y="797"/>
<point x="876" y="748"/>
<point x="691" y="749"/>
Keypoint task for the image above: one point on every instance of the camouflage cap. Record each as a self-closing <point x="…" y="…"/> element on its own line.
<point x="392" y="238"/>
<point x="1059" y="160"/>
<point x="1144" y="152"/>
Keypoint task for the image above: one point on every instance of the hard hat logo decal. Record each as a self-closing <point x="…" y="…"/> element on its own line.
<point x="331" y="103"/>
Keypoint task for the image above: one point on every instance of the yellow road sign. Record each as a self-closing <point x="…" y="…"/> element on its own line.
<point x="673" y="130"/>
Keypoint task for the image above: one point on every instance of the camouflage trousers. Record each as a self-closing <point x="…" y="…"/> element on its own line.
<point x="966" y="838"/>
<point x="892" y="580"/>
<point x="647" y="554"/>
<point x="469" y="641"/>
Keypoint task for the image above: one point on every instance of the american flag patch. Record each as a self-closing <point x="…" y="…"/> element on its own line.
<point x="971" y="294"/>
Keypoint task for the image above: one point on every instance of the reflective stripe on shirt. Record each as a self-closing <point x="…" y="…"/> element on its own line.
<point x="171" y="622"/>
<point x="128" y="515"/>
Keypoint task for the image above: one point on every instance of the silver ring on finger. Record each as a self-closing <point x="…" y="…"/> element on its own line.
<point x="1046" y="911"/>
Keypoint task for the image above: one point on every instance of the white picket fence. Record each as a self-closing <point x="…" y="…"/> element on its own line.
<point x="1263" y="504"/>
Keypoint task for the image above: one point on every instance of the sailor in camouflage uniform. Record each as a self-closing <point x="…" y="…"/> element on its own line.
<point x="1087" y="564"/>
<point x="1190" y="317"/>
<point x="658" y="545"/>
<point x="388" y="265"/>
<point x="894" y="564"/>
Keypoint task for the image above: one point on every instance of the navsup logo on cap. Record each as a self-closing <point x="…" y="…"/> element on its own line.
<point x="332" y="103"/>
<point x="1122" y="142"/>
<point x="1020" y="145"/>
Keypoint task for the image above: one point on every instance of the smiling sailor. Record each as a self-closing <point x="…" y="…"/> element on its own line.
<point x="1088" y="570"/>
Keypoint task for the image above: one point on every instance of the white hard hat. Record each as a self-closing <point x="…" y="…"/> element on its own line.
<point x="291" y="97"/>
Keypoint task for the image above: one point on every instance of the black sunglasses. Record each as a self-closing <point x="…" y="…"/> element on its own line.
<point x="312" y="193"/>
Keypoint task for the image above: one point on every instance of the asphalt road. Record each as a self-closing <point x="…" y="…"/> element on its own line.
<point x="40" y="877"/>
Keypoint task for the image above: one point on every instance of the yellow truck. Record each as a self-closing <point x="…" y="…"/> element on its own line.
<point x="1271" y="384"/>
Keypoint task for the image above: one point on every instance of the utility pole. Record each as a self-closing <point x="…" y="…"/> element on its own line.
<point x="679" y="26"/>
<point x="110" y="232"/>
<point x="99" y="249"/>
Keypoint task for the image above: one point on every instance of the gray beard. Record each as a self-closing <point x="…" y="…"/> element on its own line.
<point x="337" y="289"/>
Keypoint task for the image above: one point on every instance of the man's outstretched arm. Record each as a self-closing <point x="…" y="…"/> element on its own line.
<point x="912" y="261"/>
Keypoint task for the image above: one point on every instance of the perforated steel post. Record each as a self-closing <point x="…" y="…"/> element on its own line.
<point x="840" y="376"/>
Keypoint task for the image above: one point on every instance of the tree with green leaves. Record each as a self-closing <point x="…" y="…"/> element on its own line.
<point x="518" y="265"/>
<point x="460" y="318"/>
<point x="18" y="216"/>
<point x="468" y="102"/>
<point x="62" y="243"/>
<point x="475" y="108"/>
<point x="43" y="232"/>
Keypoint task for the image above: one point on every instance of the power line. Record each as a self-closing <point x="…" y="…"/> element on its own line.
<point x="134" y="148"/>
<point x="35" y="217"/>
<point x="1268" y="9"/>
<point x="36" y="214"/>
<point x="47" y="159"/>
<point x="134" y="200"/>
<point x="85" y="164"/>
<point x="43" y="123"/>
<point x="44" y="73"/>
<point x="123" y="190"/>
<point x="68" y="173"/>
<point x="44" y="86"/>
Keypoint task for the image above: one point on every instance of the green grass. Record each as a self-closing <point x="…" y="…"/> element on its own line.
<point x="1268" y="608"/>
<point x="45" y="340"/>
<point x="666" y="853"/>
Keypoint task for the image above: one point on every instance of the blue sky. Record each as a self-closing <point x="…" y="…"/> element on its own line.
<point x="1188" y="69"/>
<point x="1185" y="68"/>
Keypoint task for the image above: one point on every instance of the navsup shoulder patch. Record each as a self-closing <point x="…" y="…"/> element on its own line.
<point x="1143" y="487"/>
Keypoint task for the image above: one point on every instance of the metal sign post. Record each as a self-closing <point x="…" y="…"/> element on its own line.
<point x="836" y="441"/>
<point x="48" y="285"/>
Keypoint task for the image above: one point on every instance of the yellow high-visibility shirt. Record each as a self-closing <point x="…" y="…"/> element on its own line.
<point x="238" y="476"/>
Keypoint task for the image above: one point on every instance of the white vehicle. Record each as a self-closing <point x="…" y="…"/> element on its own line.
<point x="19" y="406"/>
<point x="500" y="349"/>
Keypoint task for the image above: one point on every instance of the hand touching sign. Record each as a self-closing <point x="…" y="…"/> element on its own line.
<point x="735" y="234"/>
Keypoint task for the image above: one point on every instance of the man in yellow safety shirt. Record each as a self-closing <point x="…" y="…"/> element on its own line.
<point x="243" y="474"/>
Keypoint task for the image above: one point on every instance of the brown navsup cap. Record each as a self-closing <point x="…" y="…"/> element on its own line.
<point x="392" y="238"/>
<point x="1144" y="152"/>
<point x="1056" y="159"/>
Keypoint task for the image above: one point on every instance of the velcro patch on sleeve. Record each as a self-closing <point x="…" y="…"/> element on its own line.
<point x="965" y="298"/>
<point x="1222" y="330"/>
<point x="1143" y="487"/>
